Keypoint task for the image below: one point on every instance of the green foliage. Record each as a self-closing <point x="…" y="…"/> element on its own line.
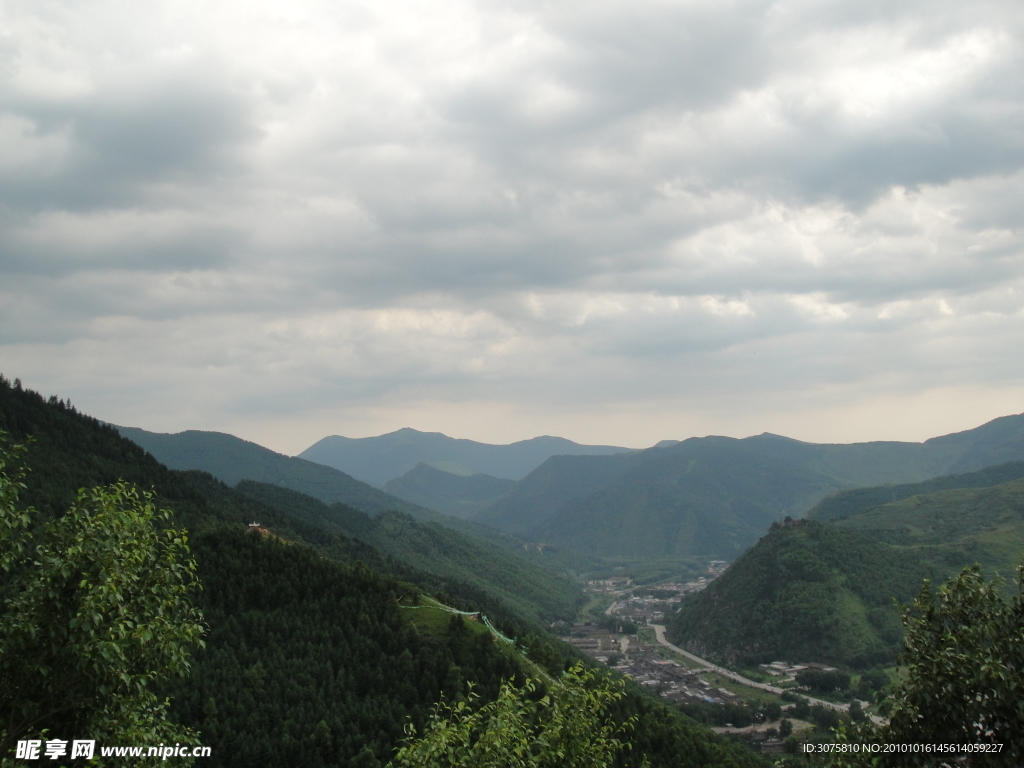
<point x="94" y="618"/>
<point x="856" y="711"/>
<point x="570" y="727"/>
<point x="871" y="682"/>
<point x="618" y="624"/>
<point x="964" y="662"/>
<point x="823" y="682"/>
<point x="965" y="667"/>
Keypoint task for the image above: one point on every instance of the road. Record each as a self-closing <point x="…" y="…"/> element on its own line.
<point x="659" y="632"/>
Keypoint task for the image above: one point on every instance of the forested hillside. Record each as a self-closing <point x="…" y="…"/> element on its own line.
<point x="310" y="662"/>
<point x="320" y="647"/>
<point x="328" y="499"/>
<point x="846" y="503"/>
<point x="531" y="591"/>
<point x="824" y="591"/>
<point x="806" y="592"/>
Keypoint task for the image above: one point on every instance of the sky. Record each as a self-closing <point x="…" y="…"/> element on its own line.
<point x="618" y="222"/>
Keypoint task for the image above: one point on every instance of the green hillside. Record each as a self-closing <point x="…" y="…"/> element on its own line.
<point x="231" y="460"/>
<point x="446" y="492"/>
<point x="711" y="497"/>
<point x="805" y="592"/>
<point x="848" y="502"/>
<point x="376" y="460"/>
<point x="534" y="592"/>
<point x="952" y="528"/>
<point x="311" y="662"/>
<point x="823" y="591"/>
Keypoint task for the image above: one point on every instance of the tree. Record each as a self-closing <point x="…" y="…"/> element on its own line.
<point x="856" y="711"/>
<point x="824" y="682"/>
<point x="97" y="612"/>
<point x="965" y="667"/>
<point x="569" y="728"/>
<point x="964" y="680"/>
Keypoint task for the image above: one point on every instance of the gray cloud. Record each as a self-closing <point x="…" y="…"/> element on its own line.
<point x="253" y="215"/>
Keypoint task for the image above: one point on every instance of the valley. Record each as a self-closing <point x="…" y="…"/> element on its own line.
<point x="745" y="585"/>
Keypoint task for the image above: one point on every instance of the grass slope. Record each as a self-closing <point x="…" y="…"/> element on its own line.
<point x="952" y="528"/>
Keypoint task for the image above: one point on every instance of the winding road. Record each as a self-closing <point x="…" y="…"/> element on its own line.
<point x="659" y="632"/>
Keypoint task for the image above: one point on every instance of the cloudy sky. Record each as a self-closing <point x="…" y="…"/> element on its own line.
<point x="613" y="221"/>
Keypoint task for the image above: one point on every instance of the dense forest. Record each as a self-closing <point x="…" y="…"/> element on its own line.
<point x="806" y="592"/>
<point x="320" y="647"/>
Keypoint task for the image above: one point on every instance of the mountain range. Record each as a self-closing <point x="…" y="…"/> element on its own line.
<point x="376" y="460"/>
<point x="701" y="498"/>
<point x="714" y="496"/>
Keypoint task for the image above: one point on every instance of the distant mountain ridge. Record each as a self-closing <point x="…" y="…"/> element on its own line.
<point x="231" y="459"/>
<point x="376" y="460"/>
<point x="714" y="496"/>
<point x="459" y="495"/>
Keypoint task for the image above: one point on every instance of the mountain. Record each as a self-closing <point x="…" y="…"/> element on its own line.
<point x="231" y="460"/>
<point x="951" y="528"/>
<point x="447" y="493"/>
<point x="376" y="460"/>
<point x="846" y="503"/>
<point x="541" y="494"/>
<point x="807" y="593"/>
<point x="714" y="496"/>
<point x="823" y="591"/>
<point x="313" y="657"/>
